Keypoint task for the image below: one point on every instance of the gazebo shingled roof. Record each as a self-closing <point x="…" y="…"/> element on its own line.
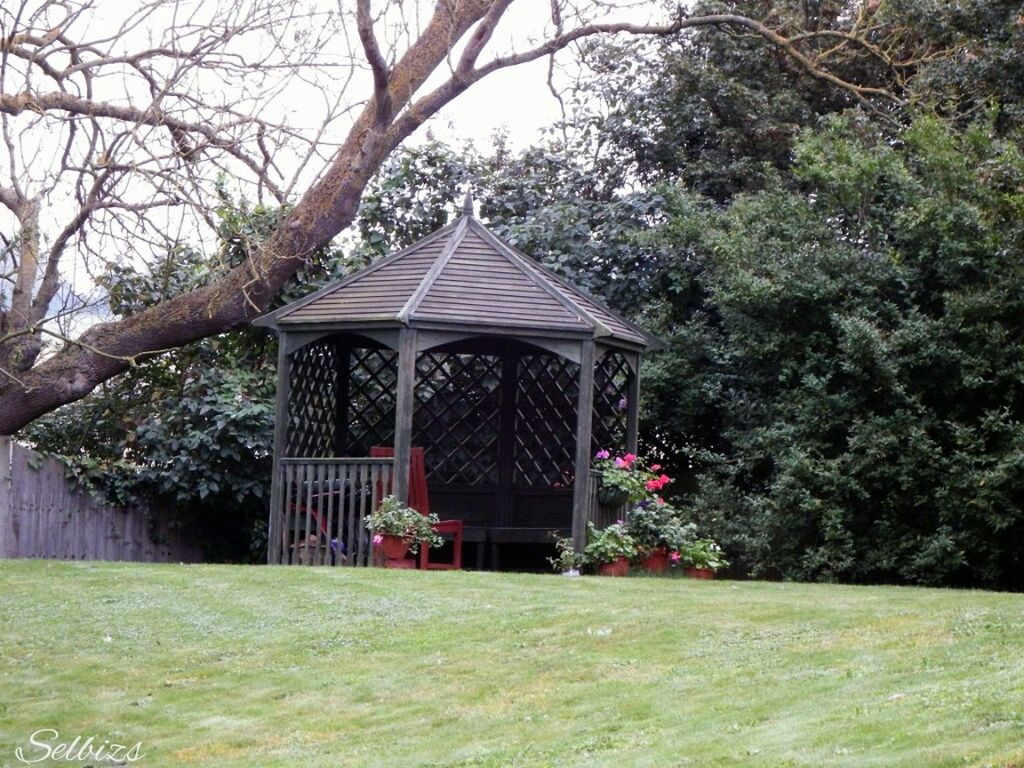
<point x="470" y="349"/>
<point x="462" y="275"/>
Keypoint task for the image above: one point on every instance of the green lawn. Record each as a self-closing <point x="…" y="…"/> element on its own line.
<point x="248" y="666"/>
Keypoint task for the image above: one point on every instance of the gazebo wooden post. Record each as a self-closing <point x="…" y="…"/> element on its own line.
<point x="633" y="404"/>
<point x="584" y="427"/>
<point x="342" y="378"/>
<point x="405" y="401"/>
<point x="274" y="532"/>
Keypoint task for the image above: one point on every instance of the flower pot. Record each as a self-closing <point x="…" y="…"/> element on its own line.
<point x="611" y="496"/>
<point x="699" y="573"/>
<point x="656" y="561"/>
<point x="393" y="547"/>
<point x="619" y="567"/>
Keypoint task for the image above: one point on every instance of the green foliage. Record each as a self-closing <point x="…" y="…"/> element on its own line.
<point x="702" y="553"/>
<point x="982" y="67"/>
<point x="606" y="545"/>
<point x="868" y="336"/>
<point x="654" y="525"/>
<point x="716" y="112"/>
<point x="567" y="558"/>
<point x="191" y="431"/>
<point x="410" y="197"/>
<point x="397" y="519"/>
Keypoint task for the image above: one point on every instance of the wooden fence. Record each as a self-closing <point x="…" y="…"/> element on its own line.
<point x="43" y="515"/>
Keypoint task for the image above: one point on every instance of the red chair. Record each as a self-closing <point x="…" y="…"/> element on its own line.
<point x="419" y="500"/>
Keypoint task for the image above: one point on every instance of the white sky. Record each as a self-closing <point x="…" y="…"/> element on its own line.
<point x="516" y="99"/>
<point x="519" y="98"/>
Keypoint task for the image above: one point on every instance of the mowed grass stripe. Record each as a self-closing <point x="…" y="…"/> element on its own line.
<point x="252" y="666"/>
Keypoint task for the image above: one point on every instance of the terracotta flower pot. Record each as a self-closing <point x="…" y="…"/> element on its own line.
<point x="393" y="547"/>
<point x="656" y="561"/>
<point x="618" y="567"/>
<point x="699" y="573"/>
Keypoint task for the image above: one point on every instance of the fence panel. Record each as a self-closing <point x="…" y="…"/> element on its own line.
<point x="44" y="515"/>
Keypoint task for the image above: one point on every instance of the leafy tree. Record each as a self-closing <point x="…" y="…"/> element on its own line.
<point x="869" y="354"/>
<point x="720" y="113"/>
<point x="792" y="258"/>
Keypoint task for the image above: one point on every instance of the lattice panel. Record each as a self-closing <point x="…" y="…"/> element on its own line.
<point x="312" y="403"/>
<point x="371" y="409"/>
<point x="545" y="433"/>
<point x="611" y="402"/>
<point x="458" y="416"/>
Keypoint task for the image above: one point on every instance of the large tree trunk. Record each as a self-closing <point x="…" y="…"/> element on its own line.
<point x="325" y="210"/>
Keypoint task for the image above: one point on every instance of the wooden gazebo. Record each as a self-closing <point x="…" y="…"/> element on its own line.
<point x="470" y="349"/>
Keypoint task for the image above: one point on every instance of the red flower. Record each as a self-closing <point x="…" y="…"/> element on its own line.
<point x="657" y="483"/>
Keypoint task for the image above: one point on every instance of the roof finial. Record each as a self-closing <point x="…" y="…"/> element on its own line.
<point x="467" y="203"/>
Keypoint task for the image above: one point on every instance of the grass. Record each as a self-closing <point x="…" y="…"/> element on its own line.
<point x="246" y="666"/>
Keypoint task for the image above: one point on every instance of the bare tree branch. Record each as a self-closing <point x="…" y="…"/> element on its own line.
<point x="140" y="128"/>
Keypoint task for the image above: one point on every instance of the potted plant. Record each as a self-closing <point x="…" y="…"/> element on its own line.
<point x="701" y="558"/>
<point x="609" y="549"/>
<point x="568" y="561"/>
<point x="657" y="529"/>
<point x="626" y="479"/>
<point x="398" y="529"/>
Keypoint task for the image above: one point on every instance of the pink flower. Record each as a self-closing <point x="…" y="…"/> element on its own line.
<point x="629" y="458"/>
<point x="675" y="557"/>
<point x="661" y="500"/>
<point x="378" y="540"/>
<point x="620" y="522"/>
<point x="602" y="454"/>
<point x="620" y="463"/>
<point x="655" y="467"/>
<point x="657" y="483"/>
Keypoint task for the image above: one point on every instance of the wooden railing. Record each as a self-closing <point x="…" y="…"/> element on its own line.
<point x="323" y="507"/>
